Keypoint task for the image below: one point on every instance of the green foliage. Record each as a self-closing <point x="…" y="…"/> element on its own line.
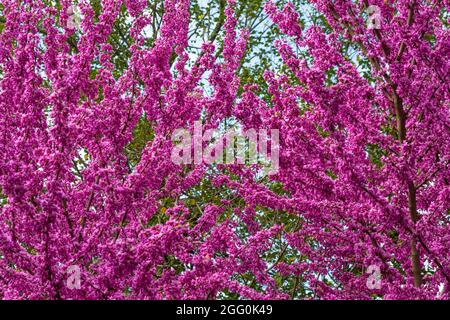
<point x="121" y="41"/>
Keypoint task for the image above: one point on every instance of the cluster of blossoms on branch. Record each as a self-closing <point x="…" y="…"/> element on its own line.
<point x="363" y="171"/>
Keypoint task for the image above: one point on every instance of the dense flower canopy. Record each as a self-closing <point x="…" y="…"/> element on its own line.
<point x="363" y="180"/>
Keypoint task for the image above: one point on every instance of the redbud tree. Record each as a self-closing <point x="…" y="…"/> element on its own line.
<point x="93" y="207"/>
